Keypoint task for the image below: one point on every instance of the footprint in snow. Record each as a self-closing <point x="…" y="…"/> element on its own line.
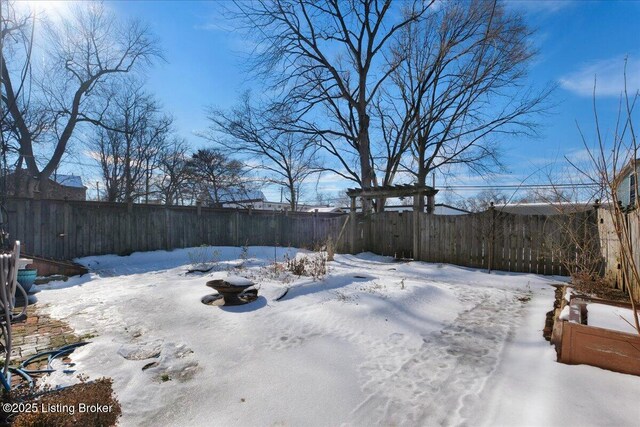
<point x="175" y="362"/>
<point x="142" y="351"/>
<point x="418" y="386"/>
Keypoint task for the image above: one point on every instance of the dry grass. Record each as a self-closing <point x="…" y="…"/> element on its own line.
<point x="88" y="404"/>
<point x="595" y="286"/>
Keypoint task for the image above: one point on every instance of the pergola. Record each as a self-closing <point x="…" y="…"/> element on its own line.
<point x="418" y="192"/>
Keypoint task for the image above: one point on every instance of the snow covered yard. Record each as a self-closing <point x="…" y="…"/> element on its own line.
<point x="374" y="343"/>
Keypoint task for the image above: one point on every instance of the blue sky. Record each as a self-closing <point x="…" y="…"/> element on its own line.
<point x="576" y="40"/>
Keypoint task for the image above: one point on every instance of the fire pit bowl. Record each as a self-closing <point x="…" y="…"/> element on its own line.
<point x="234" y="290"/>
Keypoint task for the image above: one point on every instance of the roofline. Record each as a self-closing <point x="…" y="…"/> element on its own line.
<point x="452" y="207"/>
<point x="629" y="165"/>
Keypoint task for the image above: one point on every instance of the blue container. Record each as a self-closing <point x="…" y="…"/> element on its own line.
<point x="26" y="277"/>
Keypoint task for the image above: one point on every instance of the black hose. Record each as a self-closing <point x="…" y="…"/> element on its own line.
<point x="27" y="373"/>
<point x="52" y="354"/>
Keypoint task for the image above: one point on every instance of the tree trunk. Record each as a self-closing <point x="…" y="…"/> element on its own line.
<point x="292" y="195"/>
<point x="364" y="150"/>
<point x="421" y="182"/>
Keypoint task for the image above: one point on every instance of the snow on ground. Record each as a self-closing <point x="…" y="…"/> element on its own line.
<point x="375" y="343"/>
<point x="611" y="317"/>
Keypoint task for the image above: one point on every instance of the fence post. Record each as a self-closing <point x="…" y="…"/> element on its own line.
<point x="352" y="218"/>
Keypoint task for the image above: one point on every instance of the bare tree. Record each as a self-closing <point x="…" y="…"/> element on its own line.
<point x="614" y="160"/>
<point x="552" y="195"/>
<point x="482" y="201"/>
<point x="341" y="199"/>
<point x="129" y="141"/>
<point x="16" y="46"/>
<point x="83" y="53"/>
<point x="459" y="84"/>
<point x="217" y="176"/>
<point x="265" y="137"/>
<point x="327" y="57"/>
<point x="173" y="176"/>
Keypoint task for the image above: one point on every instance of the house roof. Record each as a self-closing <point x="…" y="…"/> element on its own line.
<point x="444" y="209"/>
<point x="68" y="180"/>
<point x="74" y="181"/>
<point x="628" y="167"/>
<point x="226" y="195"/>
<point x="326" y="209"/>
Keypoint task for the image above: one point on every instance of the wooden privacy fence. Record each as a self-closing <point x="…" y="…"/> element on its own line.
<point x="492" y="240"/>
<point x="610" y="249"/>
<point x="70" y="229"/>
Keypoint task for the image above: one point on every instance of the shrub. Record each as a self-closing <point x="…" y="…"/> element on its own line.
<point x="244" y="255"/>
<point x="314" y="265"/>
<point x="204" y="257"/>
<point x="297" y="266"/>
<point x="331" y="249"/>
<point x="77" y="406"/>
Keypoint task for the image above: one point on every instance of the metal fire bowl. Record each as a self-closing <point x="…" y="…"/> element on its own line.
<point x="232" y="294"/>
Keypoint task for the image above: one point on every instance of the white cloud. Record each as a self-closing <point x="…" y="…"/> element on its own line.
<point x="538" y="6"/>
<point x="92" y="154"/>
<point x="608" y="76"/>
<point x="52" y="10"/>
<point x="218" y="18"/>
<point x="330" y="182"/>
<point x="217" y="25"/>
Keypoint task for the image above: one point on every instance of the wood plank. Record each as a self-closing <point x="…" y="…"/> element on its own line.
<point x="478" y="241"/>
<point x="546" y="248"/>
<point x="451" y="240"/>
<point x="467" y="236"/>
<point x="37" y="227"/>
<point x="517" y="244"/>
<point x="510" y="244"/>
<point x="507" y="234"/>
<point x="442" y="240"/>
<point x="526" y="239"/>
<point x="19" y="230"/>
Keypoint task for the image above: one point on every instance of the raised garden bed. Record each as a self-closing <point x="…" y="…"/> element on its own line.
<point x="48" y="266"/>
<point x="612" y="344"/>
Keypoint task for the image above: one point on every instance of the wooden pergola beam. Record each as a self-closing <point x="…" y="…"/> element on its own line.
<point x="418" y="192"/>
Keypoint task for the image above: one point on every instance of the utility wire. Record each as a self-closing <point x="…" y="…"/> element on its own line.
<point x="517" y="186"/>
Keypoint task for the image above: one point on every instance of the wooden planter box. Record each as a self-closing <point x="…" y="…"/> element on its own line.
<point x="608" y="349"/>
<point x="49" y="267"/>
